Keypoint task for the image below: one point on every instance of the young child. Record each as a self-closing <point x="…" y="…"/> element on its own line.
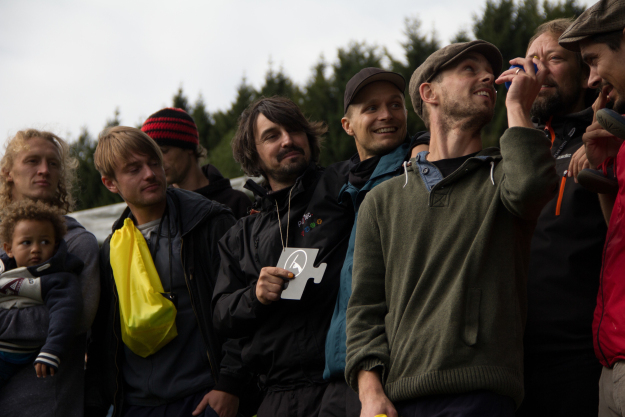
<point x="36" y="269"/>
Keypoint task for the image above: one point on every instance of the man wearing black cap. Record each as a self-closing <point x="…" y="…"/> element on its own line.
<point x="375" y="115"/>
<point x="435" y="320"/>
<point x="176" y="134"/>
<point x="599" y="34"/>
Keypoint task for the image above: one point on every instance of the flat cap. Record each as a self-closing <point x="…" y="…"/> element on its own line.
<point x="447" y="56"/>
<point x="602" y="17"/>
<point x="366" y="76"/>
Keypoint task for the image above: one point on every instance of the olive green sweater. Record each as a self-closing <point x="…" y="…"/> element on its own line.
<point x="439" y="297"/>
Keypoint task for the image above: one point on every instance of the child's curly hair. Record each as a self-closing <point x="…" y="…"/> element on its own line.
<point x="30" y="210"/>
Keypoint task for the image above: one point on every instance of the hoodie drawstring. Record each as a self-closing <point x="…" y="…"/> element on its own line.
<point x="492" y="169"/>
<point x="405" y="173"/>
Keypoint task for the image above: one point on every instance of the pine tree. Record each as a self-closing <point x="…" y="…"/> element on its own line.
<point x="180" y="101"/>
<point x="203" y="122"/>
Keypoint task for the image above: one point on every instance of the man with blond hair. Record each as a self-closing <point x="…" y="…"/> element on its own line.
<point x="183" y="377"/>
<point x="435" y="320"/>
<point x="37" y="166"/>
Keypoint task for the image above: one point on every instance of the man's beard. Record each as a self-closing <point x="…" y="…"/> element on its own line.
<point x="554" y="104"/>
<point x="618" y="105"/>
<point x="290" y="172"/>
<point x="472" y="117"/>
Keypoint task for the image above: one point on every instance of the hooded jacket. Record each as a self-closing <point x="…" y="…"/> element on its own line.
<point x="440" y="268"/>
<point x="389" y="166"/>
<point x="201" y="223"/>
<point x="52" y="283"/>
<point x="220" y="190"/>
<point x="284" y="341"/>
<point x="565" y="257"/>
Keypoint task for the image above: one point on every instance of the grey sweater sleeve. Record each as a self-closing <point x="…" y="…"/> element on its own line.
<point x="367" y="345"/>
<point x="529" y="172"/>
<point x="84" y="245"/>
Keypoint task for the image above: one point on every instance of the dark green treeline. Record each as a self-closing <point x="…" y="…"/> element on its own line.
<point x="505" y="23"/>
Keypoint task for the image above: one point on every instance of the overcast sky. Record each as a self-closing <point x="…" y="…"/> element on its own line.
<point x="65" y="64"/>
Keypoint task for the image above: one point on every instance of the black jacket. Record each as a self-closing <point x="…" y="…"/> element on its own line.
<point x="202" y="223"/>
<point x="60" y="292"/>
<point x="284" y="341"/>
<point x="565" y="259"/>
<point x="220" y="190"/>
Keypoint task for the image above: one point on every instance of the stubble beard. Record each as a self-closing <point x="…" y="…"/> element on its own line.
<point x="470" y="116"/>
<point x="618" y="106"/>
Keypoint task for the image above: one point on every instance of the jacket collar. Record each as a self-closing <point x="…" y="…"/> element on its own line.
<point x="268" y="199"/>
<point x="583" y="117"/>
<point x="186" y="208"/>
<point x="216" y="181"/>
<point x="60" y="261"/>
<point x="389" y="164"/>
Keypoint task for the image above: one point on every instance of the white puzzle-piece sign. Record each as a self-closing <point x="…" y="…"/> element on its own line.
<point x="300" y="262"/>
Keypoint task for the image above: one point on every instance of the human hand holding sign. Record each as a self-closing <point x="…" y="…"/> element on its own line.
<point x="300" y="261"/>
<point x="271" y="283"/>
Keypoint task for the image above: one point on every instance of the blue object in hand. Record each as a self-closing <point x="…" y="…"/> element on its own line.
<point x="507" y="84"/>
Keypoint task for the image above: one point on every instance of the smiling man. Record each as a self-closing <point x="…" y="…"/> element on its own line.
<point x="182" y="377"/>
<point x="283" y="339"/>
<point x="435" y="320"/>
<point x="561" y="373"/>
<point x="375" y="116"/>
<point x="599" y="34"/>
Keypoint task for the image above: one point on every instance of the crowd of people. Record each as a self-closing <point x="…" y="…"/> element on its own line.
<point x="425" y="276"/>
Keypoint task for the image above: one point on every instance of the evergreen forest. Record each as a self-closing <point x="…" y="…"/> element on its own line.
<point x="508" y="24"/>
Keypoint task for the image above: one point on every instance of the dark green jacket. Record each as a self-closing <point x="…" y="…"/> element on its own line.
<point x="439" y="297"/>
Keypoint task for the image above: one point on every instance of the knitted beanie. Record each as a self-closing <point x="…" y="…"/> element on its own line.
<point x="172" y="127"/>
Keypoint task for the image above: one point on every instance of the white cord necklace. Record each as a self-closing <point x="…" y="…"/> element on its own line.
<point x="288" y="220"/>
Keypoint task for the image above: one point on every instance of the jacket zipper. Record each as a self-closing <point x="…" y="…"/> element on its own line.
<point x="186" y="280"/>
<point x="561" y="193"/>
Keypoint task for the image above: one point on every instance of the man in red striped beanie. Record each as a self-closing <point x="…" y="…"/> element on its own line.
<point x="176" y="134"/>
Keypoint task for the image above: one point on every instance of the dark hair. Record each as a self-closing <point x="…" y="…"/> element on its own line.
<point x="31" y="210"/>
<point x="279" y="110"/>
<point x="612" y="39"/>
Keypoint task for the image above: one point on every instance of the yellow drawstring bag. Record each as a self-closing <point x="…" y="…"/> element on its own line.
<point x="148" y="319"/>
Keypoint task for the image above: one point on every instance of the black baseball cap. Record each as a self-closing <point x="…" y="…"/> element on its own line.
<point x="367" y="76"/>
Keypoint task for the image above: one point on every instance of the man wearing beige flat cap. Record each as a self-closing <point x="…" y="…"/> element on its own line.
<point x="599" y="34"/>
<point x="435" y="321"/>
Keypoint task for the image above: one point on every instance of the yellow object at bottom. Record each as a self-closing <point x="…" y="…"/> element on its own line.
<point x="148" y="320"/>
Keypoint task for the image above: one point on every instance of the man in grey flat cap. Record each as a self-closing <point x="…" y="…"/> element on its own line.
<point x="599" y="34"/>
<point x="435" y="321"/>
